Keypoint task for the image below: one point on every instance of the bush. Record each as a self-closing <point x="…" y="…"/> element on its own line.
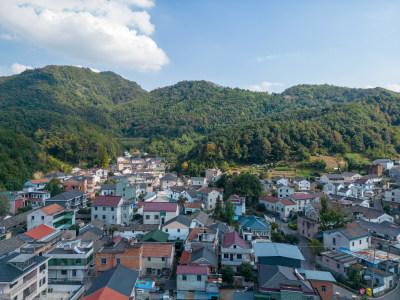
<point x="246" y="270"/>
<point x="227" y="275"/>
<point x="261" y="207"/>
<point x="292" y="226"/>
<point x="291" y="239"/>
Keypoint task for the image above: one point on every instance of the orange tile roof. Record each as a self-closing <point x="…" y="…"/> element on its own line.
<point x="193" y="234"/>
<point x="269" y="198"/>
<point x="287" y="202"/>
<point x="157" y="250"/>
<point x="105" y="294"/>
<point x="193" y="205"/>
<point x="43" y="180"/>
<point x="39" y="232"/>
<point x="185" y="258"/>
<point x="51" y="209"/>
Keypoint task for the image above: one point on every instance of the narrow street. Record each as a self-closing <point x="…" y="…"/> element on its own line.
<point x="377" y="202"/>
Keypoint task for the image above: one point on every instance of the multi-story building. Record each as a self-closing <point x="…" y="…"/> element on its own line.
<point x="239" y="204"/>
<point x="23" y="276"/>
<point x="178" y="228"/>
<point x="159" y="212"/>
<point x="85" y="184"/>
<point x="202" y="237"/>
<point x="302" y="199"/>
<point x="351" y="237"/>
<point x="157" y="259"/>
<point x="209" y="196"/>
<point x="111" y="209"/>
<point x="198" y="181"/>
<point x="70" y="261"/>
<point x="69" y="200"/>
<point x="284" y="191"/>
<point x="235" y="251"/>
<point x="53" y="215"/>
<point x="392" y="199"/>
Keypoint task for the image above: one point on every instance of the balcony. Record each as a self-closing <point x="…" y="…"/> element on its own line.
<point x="23" y="286"/>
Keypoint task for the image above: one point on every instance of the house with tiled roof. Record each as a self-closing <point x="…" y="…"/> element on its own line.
<point x="269" y="202"/>
<point x="178" y="228"/>
<point x="202" y="237"/>
<point x="53" y="215"/>
<point x="112" y="209"/>
<point x="252" y="227"/>
<point x="42" y="233"/>
<point x="209" y="196"/>
<point x="159" y="212"/>
<point x="239" y="204"/>
<point x="117" y="283"/>
<point x="167" y="181"/>
<point x="195" y="282"/>
<point x="284" y="191"/>
<point x="192" y="207"/>
<point x="351" y="237"/>
<point x="302" y="199"/>
<point x="285" y="207"/>
<point x="23" y="276"/>
<point x="82" y="183"/>
<point x="200" y="257"/>
<point x="235" y="251"/>
<point x="69" y="200"/>
<point x="157" y="259"/>
<point x="35" y="184"/>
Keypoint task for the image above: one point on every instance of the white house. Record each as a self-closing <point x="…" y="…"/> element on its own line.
<point x="209" y="196"/>
<point x="174" y="192"/>
<point x="159" y="212"/>
<point x="351" y="237"/>
<point x="178" y="228"/>
<point x="303" y="199"/>
<point x="284" y="191"/>
<point x="53" y="215"/>
<point x="350" y="176"/>
<point x="284" y="207"/>
<point x="108" y="209"/>
<point x="235" y="251"/>
<point x="239" y="204"/>
<point x="198" y="181"/>
<point x="370" y="214"/>
<point x="301" y="184"/>
<point x="269" y="202"/>
<point x="326" y="178"/>
<point x="281" y="180"/>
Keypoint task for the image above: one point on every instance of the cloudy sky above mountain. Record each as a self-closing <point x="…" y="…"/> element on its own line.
<point x="259" y="45"/>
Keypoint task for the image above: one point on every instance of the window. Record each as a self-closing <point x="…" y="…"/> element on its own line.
<point x="118" y="261"/>
<point x="226" y="255"/>
<point x="147" y="217"/>
<point x="33" y="218"/>
<point x="234" y="246"/>
<point x="104" y="209"/>
<point x="198" y="277"/>
<point x="163" y="258"/>
<point x="149" y="259"/>
<point x="95" y="208"/>
<point x="360" y="242"/>
<point x="352" y="244"/>
<point x="103" y="261"/>
<point x="112" y="208"/>
<point x="42" y="267"/>
<point x="179" y="230"/>
<point x="63" y="272"/>
<point x="156" y="217"/>
<point x="113" y="217"/>
<point x="73" y="273"/>
<point x="95" y="216"/>
<point x="323" y="288"/>
<point x="104" y="217"/>
<point x="42" y="218"/>
<point x="334" y="241"/>
<point x="78" y="260"/>
<point x="239" y="256"/>
<point x="338" y="266"/>
<point x="184" y="277"/>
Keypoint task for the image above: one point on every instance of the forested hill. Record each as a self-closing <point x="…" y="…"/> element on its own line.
<point x="64" y="115"/>
<point x="369" y="126"/>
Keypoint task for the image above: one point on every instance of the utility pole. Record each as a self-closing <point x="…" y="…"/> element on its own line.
<point x="373" y="272"/>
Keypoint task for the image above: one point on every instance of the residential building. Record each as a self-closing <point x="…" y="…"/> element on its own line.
<point x="159" y="212"/>
<point x="190" y="195"/>
<point x="192" y="207"/>
<point x="118" y="282"/>
<point x="209" y="196"/>
<point x="351" y="237"/>
<point x="267" y="185"/>
<point x="364" y="184"/>
<point x="392" y="199"/>
<point x="269" y="202"/>
<point x="301" y="184"/>
<point x="212" y="173"/>
<point x="386" y="164"/>
<point x="167" y="181"/>
<point x="156" y="236"/>
<point x="322" y="282"/>
<point x="281" y="180"/>
<point x="286" y="207"/>
<point x="281" y="282"/>
<point x="235" y="251"/>
<point x="35" y="184"/>
<point x="23" y="276"/>
<point x="15" y="199"/>
<point x="135" y="230"/>
<point x="198" y="181"/>
<point x="350" y="176"/>
<point x="178" y="228"/>
<point x="85" y="184"/>
<point x="69" y="200"/>
<point x="332" y="178"/>
<point x="202" y="237"/>
<point x="336" y="262"/>
<point x="308" y="225"/>
<point x="70" y="261"/>
<point x="394" y="172"/>
<point x="34" y="197"/>
<point x="239" y="204"/>
<point x="385" y="230"/>
<point x="302" y="199"/>
<point x="195" y="282"/>
<point x="370" y="214"/>
<point x="200" y="257"/>
<point x="110" y="210"/>
<point x="277" y="254"/>
<point x="53" y="215"/>
<point x="253" y="227"/>
<point x="174" y="192"/>
<point x="157" y="259"/>
<point x="42" y="233"/>
<point x="108" y="189"/>
<point x="201" y="219"/>
<point x="119" y="251"/>
<point x="130" y="191"/>
<point x="284" y="191"/>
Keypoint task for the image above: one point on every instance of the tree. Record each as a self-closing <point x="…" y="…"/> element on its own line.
<point x="229" y="212"/>
<point x="246" y="270"/>
<point x="261" y="207"/>
<point x="386" y="209"/>
<point x="246" y="185"/>
<point x="103" y="158"/>
<point x="276" y="237"/>
<point x="227" y="275"/>
<point x="4" y="205"/>
<point x="54" y="187"/>
<point x="316" y="247"/>
<point x="182" y="200"/>
<point x="218" y="212"/>
<point x="354" y="278"/>
<point x="221" y="182"/>
<point x="224" y="167"/>
<point x="291" y="239"/>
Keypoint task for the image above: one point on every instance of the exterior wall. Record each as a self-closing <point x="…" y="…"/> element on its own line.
<point x="240" y="210"/>
<point x="229" y="256"/>
<point x="303" y="185"/>
<point x="210" y="199"/>
<point x="35" y="280"/>
<point x="336" y="240"/>
<point x="278" y="261"/>
<point x="335" y="267"/>
<point x="126" y="213"/>
<point x="285" y="192"/>
<point x="150" y="217"/>
<point x="62" y="220"/>
<point x="191" y="283"/>
<point x="131" y="258"/>
<point x="176" y="231"/>
<point x="69" y="267"/>
<point x="307" y="228"/>
<point x="270" y="206"/>
<point x="392" y="196"/>
<point x="164" y="184"/>
<point x="284" y="210"/>
<point x="324" y="288"/>
<point x="157" y="264"/>
<point x="110" y="215"/>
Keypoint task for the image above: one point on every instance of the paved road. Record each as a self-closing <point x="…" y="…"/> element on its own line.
<point x="393" y="295"/>
<point x="344" y="294"/>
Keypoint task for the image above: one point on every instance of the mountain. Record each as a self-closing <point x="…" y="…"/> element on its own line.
<point x="65" y="114"/>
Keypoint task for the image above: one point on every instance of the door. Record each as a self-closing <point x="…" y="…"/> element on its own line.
<point x="231" y="257"/>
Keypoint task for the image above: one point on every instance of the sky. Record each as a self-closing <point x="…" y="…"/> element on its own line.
<point x="259" y="45"/>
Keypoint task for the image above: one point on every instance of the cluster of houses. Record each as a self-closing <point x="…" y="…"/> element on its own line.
<point x="144" y="234"/>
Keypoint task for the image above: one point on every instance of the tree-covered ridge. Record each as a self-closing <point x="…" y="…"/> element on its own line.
<point x="369" y="126"/>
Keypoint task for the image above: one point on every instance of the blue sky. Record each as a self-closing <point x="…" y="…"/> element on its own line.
<point x="259" y="45"/>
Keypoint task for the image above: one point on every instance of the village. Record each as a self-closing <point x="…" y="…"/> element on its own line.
<point x="137" y="231"/>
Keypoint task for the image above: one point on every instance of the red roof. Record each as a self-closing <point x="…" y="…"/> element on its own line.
<point x="107" y="201"/>
<point x="160" y="206"/>
<point x="287" y="202"/>
<point x="269" y="198"/>
<point x="302" y="196"/>
<point x="51" y="209"/>
<point x="39" y="232"/>
<point x="198" y="270"/>
<point x="360" y="181"/>
<point x="209" y="190"/>
<point x="193" y="205"/>
<point x="43" y="180"/>
<point x="185" y="258"/>
<point x="233" y="238"/>
<point x="105" y="294"/>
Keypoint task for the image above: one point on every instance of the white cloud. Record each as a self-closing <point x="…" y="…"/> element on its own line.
<point x="265" y="86"/>
<point x="18" y="68"/>
<point x="276" y="56"/>
<point x="268" y="57"/>
<point x="369" y="87"/>
<point x="109" y="32"/>
<point x="393" y="87"/>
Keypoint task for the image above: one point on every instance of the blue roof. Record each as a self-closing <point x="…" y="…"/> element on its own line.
<point x="277" y="249"/>
<point x="319" y="276"/>
<point x="254" y="223"/>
